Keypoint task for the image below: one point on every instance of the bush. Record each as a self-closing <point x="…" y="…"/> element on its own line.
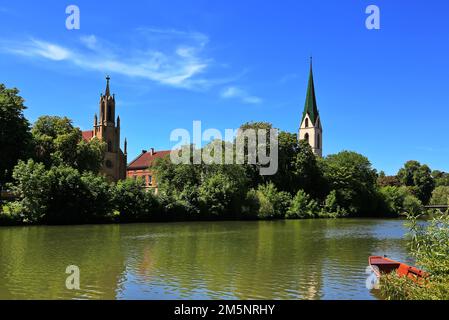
<point x="429" y="245"/>
<point x="133" y="202"/>
<point x="412" y="205"/>
<point x="60" y="195"/>
<point x="440" y="196"/>
<point x="274" y="204"/>
<point x="302" y="206"/>
<point x="11" y="214"/>
<point x="332" y="208"/>
<point x="394" y="198"/>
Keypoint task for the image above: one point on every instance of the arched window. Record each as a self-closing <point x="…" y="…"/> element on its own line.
<point x="306" y="137"/>
<point x="307" y="122"/>
<point x="109" y="146"/>
<point x="318" y="141"/>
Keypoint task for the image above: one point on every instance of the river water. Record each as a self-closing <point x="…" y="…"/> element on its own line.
<point x="303" y="259"/>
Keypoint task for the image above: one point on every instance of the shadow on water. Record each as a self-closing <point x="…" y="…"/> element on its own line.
<point x="304" y="259"/>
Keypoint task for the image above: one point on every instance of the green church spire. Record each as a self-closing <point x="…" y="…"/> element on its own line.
<point x="311" y="107"/>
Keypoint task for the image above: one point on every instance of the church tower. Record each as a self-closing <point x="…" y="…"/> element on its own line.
<point x="310" y="128"/>
<point x="107" y="129"/>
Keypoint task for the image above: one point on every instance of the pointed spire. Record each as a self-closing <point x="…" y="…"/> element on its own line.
<point x="95" y="120"/>
<point x="311" y="107"/>
<point x="107" y="93"/>
<point x="118" y="121"/>
<point x="126" y="147"/>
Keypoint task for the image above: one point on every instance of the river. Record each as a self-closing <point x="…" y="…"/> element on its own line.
<point x="303" y="259"/>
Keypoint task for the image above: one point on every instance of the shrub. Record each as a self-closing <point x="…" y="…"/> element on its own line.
<point x="273" y="203"/>
<point x="133" y="202"/>
<point x="302" y="206"/>
<point x="429" y="245"/>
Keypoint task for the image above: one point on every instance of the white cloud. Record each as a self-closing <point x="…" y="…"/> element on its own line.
<point x="168" y="57"/>
<point x="238" y="93"/>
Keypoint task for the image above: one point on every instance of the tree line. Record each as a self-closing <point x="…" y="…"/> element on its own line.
<point x="55" y="176"/>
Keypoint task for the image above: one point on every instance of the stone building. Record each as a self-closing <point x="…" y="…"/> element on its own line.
<point x="107" y="129"/>
<point x="310" y="128"/>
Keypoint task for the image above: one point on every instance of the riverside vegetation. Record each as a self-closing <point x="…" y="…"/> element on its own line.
<point x="55" y="178"/>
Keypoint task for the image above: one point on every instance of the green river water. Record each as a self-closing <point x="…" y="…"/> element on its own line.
<point x="304" y="259"/>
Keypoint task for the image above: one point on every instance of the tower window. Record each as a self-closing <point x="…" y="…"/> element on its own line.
<point x="109" y="146"/>
<point x="306" y="137"/>
<point x="307" y="122"/>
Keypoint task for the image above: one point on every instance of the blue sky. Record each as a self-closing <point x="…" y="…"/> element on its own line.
<point x="383" y="93"/>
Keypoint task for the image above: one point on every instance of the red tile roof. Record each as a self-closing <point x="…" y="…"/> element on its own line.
<point x="88" y="135"/>
<point x="146" y="159"/>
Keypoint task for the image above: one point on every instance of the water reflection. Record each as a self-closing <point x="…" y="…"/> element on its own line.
<point x="308" y="259"/>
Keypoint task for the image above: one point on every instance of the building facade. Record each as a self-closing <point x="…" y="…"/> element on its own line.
<point x="310" y="128"/>
<point x="107" y="129"/>
<point x="141" y="167"/>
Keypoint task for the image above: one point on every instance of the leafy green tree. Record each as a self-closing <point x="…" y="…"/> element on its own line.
<point x="440" y="196"/>
<point x="418" y="177"/>
<point x="303" y="206"/>
<point x="352" y="177"/>
<point x="60" y="195"/>
<point x="394" y="198"/>
<point x="15" y="137"/>
<point x="133" y="203"/>
<point x="58" y="142"/>
<point x="274" y="204"/>
<point x="219" y="195"/>
<point x="331" y="206"/>
<point x="412" y="205"/>
<point x="440" y="178"/>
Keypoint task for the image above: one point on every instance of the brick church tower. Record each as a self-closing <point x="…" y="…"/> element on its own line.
<point x="107" y="129"/>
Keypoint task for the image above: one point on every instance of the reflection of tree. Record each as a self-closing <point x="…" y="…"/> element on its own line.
<point x="238" y="259"/>
<point x="34" y="260"/>
<point x="304" y="259"/>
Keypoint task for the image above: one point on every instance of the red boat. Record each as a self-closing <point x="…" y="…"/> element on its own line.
<point x="385" y="265"/>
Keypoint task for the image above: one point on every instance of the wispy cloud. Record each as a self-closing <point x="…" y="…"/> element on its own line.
<point x="238" y="93"/>
<point x="165" y="56"/>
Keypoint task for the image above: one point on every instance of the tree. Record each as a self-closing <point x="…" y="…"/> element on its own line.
<point x="302" y="206"/>
<point x="440" y="178"/>
<point x="273" y="203"/>
<point x="58" y="142"/>
<point x="15" y="137"/>
<point x="133" y="203"/>
<point x="61" y="194"/>
<point x="440" y="196"/>
<point x="384" y="180"/>
<point x="418" y="177"/>
<point x="352" y="177"/>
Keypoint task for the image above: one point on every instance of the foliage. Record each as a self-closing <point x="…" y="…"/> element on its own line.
<point x="332" y="208"/>
<point x="15" y="137"/>
<point x="399" y="200"/>
<point x="274" y="204"/>
<point x="440" y="196"/>
<point x="418" y="177"/>
<point x="385" y="181"/>
<point x="60" y="195"/>
<point x="302" y="206"/>
<point x="58" y="142"/>
<point x="354" y="180"/>
<point x="133" y="203"/>
<point x="440" y="178"/>
<point x="430" y="247"/>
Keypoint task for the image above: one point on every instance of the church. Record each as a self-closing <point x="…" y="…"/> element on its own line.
<point x="310" y="128"/>
<point x="107" y="129"/>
